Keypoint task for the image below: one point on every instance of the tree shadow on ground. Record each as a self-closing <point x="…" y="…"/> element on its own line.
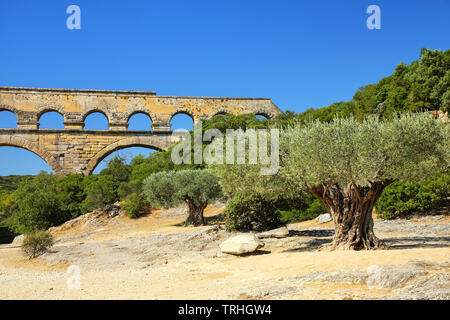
<point x="258" y="252"/>
<point x="209" y="221"/>
<point x="323" y="237"/>
<point x="312" y="233"/>
<point x="217" y="219"/>
<point x="312" y="245"/>
<point x="417" y="242"/>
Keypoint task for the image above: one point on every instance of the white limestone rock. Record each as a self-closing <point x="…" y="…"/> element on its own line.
<point x="241" y="244"/>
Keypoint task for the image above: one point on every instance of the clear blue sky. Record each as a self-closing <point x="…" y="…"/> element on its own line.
<point x="299" y="53"/>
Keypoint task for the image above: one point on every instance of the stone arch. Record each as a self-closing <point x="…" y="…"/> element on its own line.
<point x="264" y="113"/>
<point x="151" y="142"/>
<point x="184" y="111"/>
<point x="188" y="112"/>
<point x="4" y="107"/>
<point x="46" y="109"/>
<point x="97" y="110"/>
<point x="43" y="111"/>
<point x="137" y="110"/>
<point x="12" y="141"/>
<point x="220" y="111"/>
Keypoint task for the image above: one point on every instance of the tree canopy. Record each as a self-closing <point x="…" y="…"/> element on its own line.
<point x="348" y="151"/>
<point x="196" y="188"/>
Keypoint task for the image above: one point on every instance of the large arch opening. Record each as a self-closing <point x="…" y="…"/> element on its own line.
<point x="96" y="120"/>
<point x="139" y="121"/>
<point x="51" y="120"/>
<point x="16" y="160"/>
<point x="262" y="116"/>
<point x="8" y="119"/>
<point x="127" y="152"/>
<point x="181" y="121"/>
<point x="15" y="157"/>
<point x="17" y="164"/>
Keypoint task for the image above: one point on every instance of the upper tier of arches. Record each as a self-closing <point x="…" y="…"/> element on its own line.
<point x="30" y="104"/>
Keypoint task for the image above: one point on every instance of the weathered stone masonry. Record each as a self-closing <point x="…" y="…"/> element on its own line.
<point x="75" y="150"/>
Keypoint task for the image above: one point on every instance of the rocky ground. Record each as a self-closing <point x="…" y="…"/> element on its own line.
<point x="155" y="258"/>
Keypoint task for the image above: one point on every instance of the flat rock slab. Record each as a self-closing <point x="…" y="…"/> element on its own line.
<point x="275" y="233"/>
<point x="241" y="244"/>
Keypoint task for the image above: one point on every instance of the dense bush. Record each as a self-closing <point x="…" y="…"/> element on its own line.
<point x="11" y="183"/>
<point x="37" y="205"/>
<point x="70" y="193"/>
<point x="314" y="209"/>
<point x="133" y="205"/>
<point x="127" y="188"/>
<point x="263" y="212"/>
<point x="402" y="199"/>
<point x="8" y="205"/>
<point x="252" y="212"/>
<point x="118" y="169"/>
<point x="37" y="243"/>
<point x="100" y="191"/>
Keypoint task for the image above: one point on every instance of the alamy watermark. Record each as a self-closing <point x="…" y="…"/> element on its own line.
<point x="374" y="20"/>
<point x="374" y="279"/>
<point x="242" y="147"/>
<point x="74" y="279"/>
<point x="74" y="20"/>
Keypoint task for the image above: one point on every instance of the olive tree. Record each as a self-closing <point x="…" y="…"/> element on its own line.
<point x="346" y="164"/>
<point x="197" y="188"/>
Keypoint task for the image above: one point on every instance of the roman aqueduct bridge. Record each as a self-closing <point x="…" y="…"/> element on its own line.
<point x="76" y="150"/>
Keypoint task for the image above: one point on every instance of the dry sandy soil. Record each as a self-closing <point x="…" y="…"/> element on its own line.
<point x="154" y="258"/>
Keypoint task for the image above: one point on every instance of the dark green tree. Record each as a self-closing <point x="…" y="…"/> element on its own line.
<point x="100" y="190"/>
<point x="38" y="205"/>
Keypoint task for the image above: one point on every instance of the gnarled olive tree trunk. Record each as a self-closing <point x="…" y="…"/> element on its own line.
<point x="351" y="209"/>
<point x="195" y="212"/>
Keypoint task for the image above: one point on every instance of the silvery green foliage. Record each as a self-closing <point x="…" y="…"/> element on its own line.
<point x="169" y="189"/>
<point x="407" y="148"/>
<point x="247" y="178"/>
<point x="237" y="177"/>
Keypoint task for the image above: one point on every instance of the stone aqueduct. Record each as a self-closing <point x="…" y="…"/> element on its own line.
<point x="75" y="150"/>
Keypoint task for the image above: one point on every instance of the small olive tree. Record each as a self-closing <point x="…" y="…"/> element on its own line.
<point x="346" y="164"/>
<point x="197" y="188"/>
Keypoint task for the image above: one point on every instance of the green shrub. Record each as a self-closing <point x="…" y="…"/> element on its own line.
<point x="405" y="199"/>
<point x="70" y="193"/>
<point x="252" y="212"/>
<point x="100" y="191"/>
<point x="264" y="212"/>
<point x="133" y="205"/>
<point x="117" y="168"/>
<point x="37" y="205"/>
<point x="37" y="243"/>
<point x="314" y="209"/>
<point x="127" y="188"/>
